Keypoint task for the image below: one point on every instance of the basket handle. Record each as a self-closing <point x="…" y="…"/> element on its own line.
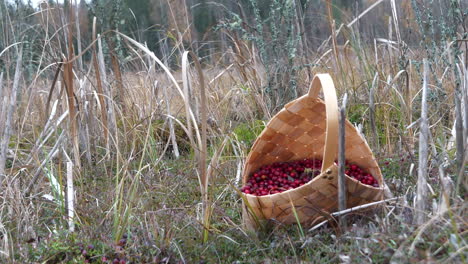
<point x="325" y="82"/>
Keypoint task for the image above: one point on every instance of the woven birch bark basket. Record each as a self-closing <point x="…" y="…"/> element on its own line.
<point x="308" y="128"/>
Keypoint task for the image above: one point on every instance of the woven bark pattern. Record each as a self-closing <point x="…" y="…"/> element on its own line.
<point x="298" y="131"/>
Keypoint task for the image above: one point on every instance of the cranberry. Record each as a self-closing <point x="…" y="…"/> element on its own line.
<point x="282" y="176"/>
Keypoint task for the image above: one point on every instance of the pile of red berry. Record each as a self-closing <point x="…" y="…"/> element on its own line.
<point x="281" y="176"/>
<point x="359" y="174"/>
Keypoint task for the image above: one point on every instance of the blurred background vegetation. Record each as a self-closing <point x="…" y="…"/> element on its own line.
<point x="286" y="32"/>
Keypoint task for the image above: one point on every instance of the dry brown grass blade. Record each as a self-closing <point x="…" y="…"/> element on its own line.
<point x="52" y="87"/>
<point x="250" y="70"/>
<point x="214" y="162"/>
<point x="68" y="81"/>
<point x="99" y="87"/>
<point x="202" y="170"/>
<point x="241" y="60"/>
<point x="117" y="73"/>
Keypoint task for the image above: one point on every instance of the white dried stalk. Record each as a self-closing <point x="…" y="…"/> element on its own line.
<point x="51" y="131"/>
<point x="154" y="94"/>
<point x="187" y="91"/>
<point x="90" y="119"/>
<point x="3" y="113"/>
<point x="240" y="162"/>
<point x="457" y="130"/>
<point x="376" y="53"/>
<point x="390" y="37"/>
<point x="175" y="148"/>
<point x="395" y="21"/>
<point x="9" y="116"/>
<point x="461" y="130"/>
<point x="341" y="160"/>
<point x="1" y="88"/>
<point x="53" y="152"/>
<point x="63" y="16"/>
<point x="83" y="126"/>
<point x="214" y="162"/>
<point x="86" y="134"/>
<point x="462" y="175"/>
<point x="463" y="71"/>
<point x="446" y="182"/>
<point x="78" y="34"/>
<point x="107" y="94"/>
<point x="460" y="144"/>
<point x="350" y="24"/>
<point x="362" y="14"/>
<point x="70" y="197"/>
<point x="5" y="251"/>
<point x="102" y="65"/>
<point x="3" y="104"/>
<point x="354" y="209"/>
<point x="465" y="100"/>
<point x="421" y="193"/>
<point x="372" y="112"/>
<point x="302" y="31"/>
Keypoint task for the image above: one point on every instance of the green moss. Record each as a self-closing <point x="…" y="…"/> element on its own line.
<point x="246" y="133"/>
<point x="355" y="113"/>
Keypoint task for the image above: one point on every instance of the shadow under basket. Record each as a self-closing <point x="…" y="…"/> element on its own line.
<point x="307" y="128"/>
